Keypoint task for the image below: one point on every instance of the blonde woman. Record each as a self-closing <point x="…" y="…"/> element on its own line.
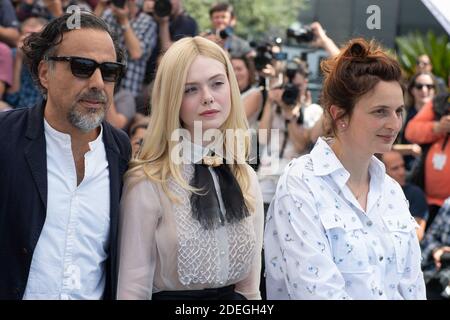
<point x="190" y="230"/>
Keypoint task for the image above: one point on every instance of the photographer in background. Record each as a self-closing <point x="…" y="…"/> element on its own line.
<point x="173" y="24"/>
<point x="136" y="31"/>
<point x="9" y="33"/>
<point x="314" y="35"/>
<point x="395" y="168"/>
<point x="223" y="21"/>
<point x="430" y="128"/>
<point x="48" y="9"/>
<point x="289" y="109"/>
<point x="436" y="255"/>
<point x="23" y="92"/>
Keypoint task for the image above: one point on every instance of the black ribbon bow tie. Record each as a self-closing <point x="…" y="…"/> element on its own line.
<point x="205" y="205"/>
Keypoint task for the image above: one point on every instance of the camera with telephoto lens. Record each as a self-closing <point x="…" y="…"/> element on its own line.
<point x="291" y="91"/>
<point x="300" y="33"/>
<point x="162" y="8"/>
<point x="225" y="33"/>
<point x="265" y="55"/>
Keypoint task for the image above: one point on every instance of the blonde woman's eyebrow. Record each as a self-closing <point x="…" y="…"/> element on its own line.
<point x="219" y="75"/>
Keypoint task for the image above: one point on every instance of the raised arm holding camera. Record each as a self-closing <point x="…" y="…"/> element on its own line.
<point x="124" y="11"/>
<point x="223" y="21"/>
<point x="289" y="109"/>
<point x="136" y="31"/>
<point x="314" y="35"/>
<point x="173" y="24"/>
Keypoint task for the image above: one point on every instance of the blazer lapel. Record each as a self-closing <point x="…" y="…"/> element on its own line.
<point x="117" y="165"/>
<point x="35" y="150"/>
<point x="115" y="177"/>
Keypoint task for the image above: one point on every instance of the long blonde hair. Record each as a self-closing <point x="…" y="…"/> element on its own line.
<point x="167" y="96"/>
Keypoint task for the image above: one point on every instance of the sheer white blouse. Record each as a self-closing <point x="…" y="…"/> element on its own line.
<point x="163" y="248"/>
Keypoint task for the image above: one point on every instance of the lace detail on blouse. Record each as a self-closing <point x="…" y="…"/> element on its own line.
<point x="214" y="257"/>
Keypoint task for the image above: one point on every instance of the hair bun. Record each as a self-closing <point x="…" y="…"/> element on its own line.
<point x="358" y="50"/>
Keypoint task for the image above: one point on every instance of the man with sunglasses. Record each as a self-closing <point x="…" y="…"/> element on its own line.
<point x="61" y="168"/>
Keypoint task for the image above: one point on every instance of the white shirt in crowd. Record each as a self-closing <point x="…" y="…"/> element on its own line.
<point x="68" y="261"/>
<point x="269" y="171"/>
<point x="320" y="244"/>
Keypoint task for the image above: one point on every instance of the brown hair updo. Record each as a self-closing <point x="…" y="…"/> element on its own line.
<point x="356" y="70"/>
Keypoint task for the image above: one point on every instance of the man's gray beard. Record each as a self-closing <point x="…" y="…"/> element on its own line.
<point x="88" y="121"/>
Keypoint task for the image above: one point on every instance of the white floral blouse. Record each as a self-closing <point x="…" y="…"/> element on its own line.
<point x="320" y="244"/>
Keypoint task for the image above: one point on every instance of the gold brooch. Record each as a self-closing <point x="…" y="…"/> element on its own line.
<point x="212" y="161"/>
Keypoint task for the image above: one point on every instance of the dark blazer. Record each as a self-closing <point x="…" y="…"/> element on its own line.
<point x="23" y="195"/>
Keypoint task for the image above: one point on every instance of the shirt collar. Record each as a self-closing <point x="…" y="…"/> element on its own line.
<point x="377" y="171"/>
<point x="325" y="163"/>
<point x="194" y="153"/>
<point x="94" y="144"/>
<point x="65" y="139"/>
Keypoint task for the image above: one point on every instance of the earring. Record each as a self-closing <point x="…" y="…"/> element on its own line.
<point x="342" y="125"/>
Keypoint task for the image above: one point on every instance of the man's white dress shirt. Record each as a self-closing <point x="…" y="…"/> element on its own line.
<point x="69" y="258"/>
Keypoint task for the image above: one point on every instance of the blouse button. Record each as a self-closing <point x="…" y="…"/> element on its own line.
<point x="380" y="258"/>
<point x="222" y="253"/>
<point x="369" y="223"/>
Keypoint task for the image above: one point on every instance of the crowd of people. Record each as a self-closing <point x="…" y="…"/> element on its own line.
<point x="143" y="158"/>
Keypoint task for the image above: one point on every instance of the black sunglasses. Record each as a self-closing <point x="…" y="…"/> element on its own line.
<point x="84" y="68"/>
<point x="419" y="86"/>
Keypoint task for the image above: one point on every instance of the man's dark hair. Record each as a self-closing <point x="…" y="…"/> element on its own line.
<point x="42" y="44"/>
<point x="222" y="7"/>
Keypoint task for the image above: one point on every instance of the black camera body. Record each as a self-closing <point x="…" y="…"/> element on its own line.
<point x="291" y="91"/>
<point x="264" y="55"/>
<point x="302" y="34"/>
<point x="163" y="8"/>
<point x="290" y="94"/>
<point x="118" y="3"/>
<point x="226" y="33"/>
<point x="445" y="260"/>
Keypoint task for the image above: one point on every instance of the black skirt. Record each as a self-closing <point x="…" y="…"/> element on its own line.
<point x="224" y="293"/>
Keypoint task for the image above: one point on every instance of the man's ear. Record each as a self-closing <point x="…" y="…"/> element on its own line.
<point x="43" y="70"/>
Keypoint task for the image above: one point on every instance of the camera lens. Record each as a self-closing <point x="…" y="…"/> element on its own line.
<point x="263" y="55"/>
<point x="300" y="34"/>
<point x="225" y="33"/>
<point x="290" y="94"/>
<point x="163" y="8"/>
<point x="261" y="60"/>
